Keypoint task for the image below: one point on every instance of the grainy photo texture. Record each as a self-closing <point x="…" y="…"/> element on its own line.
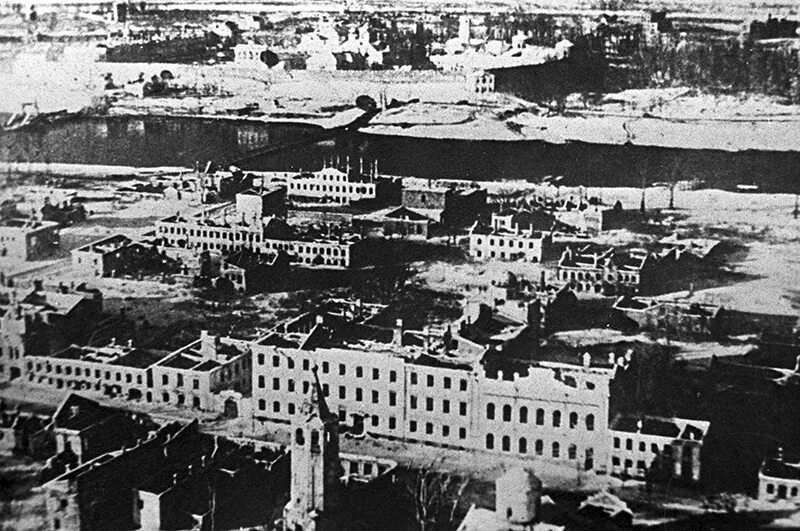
<point x="344" y="265"/>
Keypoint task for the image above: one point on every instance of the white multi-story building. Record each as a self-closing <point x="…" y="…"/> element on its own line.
<point x="192" y="376"/>
<point x="334" y="186"/>
<point x="22" y="239"/>
<point x="267" y="235"/>
<point x="487" y="244"/>
<point x="403" y="385"/>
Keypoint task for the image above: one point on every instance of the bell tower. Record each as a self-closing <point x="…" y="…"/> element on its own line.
<point x="316" y="470"/>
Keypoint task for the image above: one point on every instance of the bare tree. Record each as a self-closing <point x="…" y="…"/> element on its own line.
<point x="435" y="495"/>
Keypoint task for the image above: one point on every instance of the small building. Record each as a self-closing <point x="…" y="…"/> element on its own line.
<point x="25" y="433"/>
<point x="119" y="255"/>
<point x="87" y="429"/>
<point x="400" y="222"/>
<point x="250" y="272"/>
<point x="482" y="82"/>
<point x="255" y="204"/>
<point x="488" y="243"/>
<point x="518" y="498"/>
<point x="779" y="479"/>
<point x="675" y="318"/>
<point x="593" y="218"/>
<point x="25" y="239"/>
<point x="455" y="207"/>
<point x="656" y="447"/>
<point x="515" y="220"/>
<point x="100" y="258"/>
<point x="608" y="272"/>
<point x="195" y="374"/>
<point x="249" y="54"/>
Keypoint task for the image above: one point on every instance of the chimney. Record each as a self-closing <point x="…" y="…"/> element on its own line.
<point x="534" y="316"/>
<point x="639" y="425"/>
<point x="611" y="358"/>
<point x="426" y="332"/>
<point x="38" y="285"/>
<point x="797" y="365"/>
<point x="130" y="343"/>
<point x="587" y="360"/>
<point x="780" y="453"/>
<point x="319" y="319"/>
<point x="397" y="333"/>
<point x="74" y="411"/>
<point x="447" y="339"/>
<point x="542" y="280"/>
<point x="174" y="478"/>
<point x="208" y="345"/>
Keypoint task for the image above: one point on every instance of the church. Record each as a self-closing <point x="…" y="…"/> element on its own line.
<point x="331" y="491"/>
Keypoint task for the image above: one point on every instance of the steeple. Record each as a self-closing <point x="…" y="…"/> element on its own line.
<point x="316" y="470"/>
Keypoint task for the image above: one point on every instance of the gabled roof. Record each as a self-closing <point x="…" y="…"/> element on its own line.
<point x="780" y="468"/>
<point x="77" y="413"/>
<point x="62" y="303"/>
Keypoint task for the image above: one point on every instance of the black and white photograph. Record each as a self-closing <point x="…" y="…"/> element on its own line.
<point x="359" y="265"/>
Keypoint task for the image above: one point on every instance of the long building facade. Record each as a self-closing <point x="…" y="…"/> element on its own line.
<point x="402" y="391"/>
<point x="202" y="234"/>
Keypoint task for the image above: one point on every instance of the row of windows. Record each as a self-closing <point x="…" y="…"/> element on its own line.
<point x="642" y="446"/>
<point x="782" y="491"/>
<point x="538" y="447"/>
<point x="179" y="399"/>
<point x="522" y="416"/>
<point x="112" y="376"/>
<point x="511" y="256"/>
<point x="13" y="353"/>
<point x="179" y="379"/>
<point x="360" y="372"/>
<point x="86" y="372"/>
<point x="511" y="242"/>
<point x="588" y="275"/>
<point x="330" y="188"/>
<point x="641" y="466"/>
<point x="429" y="405"/>
<point x="430" y="381"/>
<point x="429" y="429"/>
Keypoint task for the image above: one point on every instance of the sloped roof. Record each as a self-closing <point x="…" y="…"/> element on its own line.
<point x="779" y="468"/>
<point x="77" y="413"/>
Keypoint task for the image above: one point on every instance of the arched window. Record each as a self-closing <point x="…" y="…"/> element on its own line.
<point x="556" y="450"/>
<point x="540" y="417"/>
<point x="573" y="420"/>
<point x="572" y="451"/>
<point x="523" y="446"/>
<point x="507" y="413"/>
<point x="506" y="443"/>
<point x="298" y="437"/>
<point x="490" y="411"/>
<point x="489" y="441"/>
<point x="523" y="415"/>
<point x="539" y="447"/>
<point x="556" y="418"/>
<point x="590" y="422"/>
